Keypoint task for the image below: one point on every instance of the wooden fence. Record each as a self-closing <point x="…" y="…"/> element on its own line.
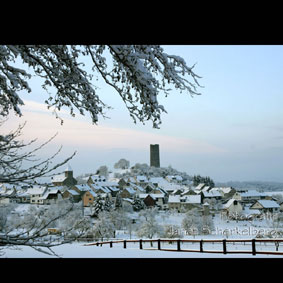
<point x="200" y="242"/>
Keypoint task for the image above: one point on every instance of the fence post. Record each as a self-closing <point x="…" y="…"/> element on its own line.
<point x="125" y="244"/>
<point x="158" y="244"/>
<point x="201" y="246"/>
<point x="178" y="245"/>
<point x="111" y="244"/>
<point x="253" y="247"/>
<point x="141" y="244"/>
<point x="224" y="246"/>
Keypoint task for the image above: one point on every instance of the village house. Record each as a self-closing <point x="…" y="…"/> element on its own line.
<point x="88" y="197"/>
<point x="186" y="202"/>
<point x="94" y="179"/>
<point x="65" y="179"/>
<point x="188" y="192"/>
<point x="156" y="181"/>
<point x="81" y="188"/>
<point x="199" y="187"/>
<point x="265" y="206"/>
<point x="232" y="207"/>
<point x="51" y="195"/>
<point x="175" y="179"/>
<point x="252" y="195"/>
<point x="210" y="195"/>
<point x="23" y="196"/>
<point x="127" y="192"/>
<point x="141" y="180"/>
<point x="151" y="200"/>
<point x="73" y="195"/>
<point x="8" y="194"/>
<point x="36" y="193"/>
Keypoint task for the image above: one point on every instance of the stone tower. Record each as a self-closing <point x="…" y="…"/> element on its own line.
<point x="154" y="155"/>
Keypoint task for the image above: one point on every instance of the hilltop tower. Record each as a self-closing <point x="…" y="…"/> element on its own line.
<point x="154" y="155"/>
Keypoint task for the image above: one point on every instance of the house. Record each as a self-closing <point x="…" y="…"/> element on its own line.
<point x="184" y="202"/>
<point x="252" y="195"/>
<point x="23" y="196"/>
<point x="174" y="178"/>
<point x="237" y="196"/>
<point x="36" y="193"/>
<point x="265" y="205"/>
<point x="94" y="179"/>
<point x="227" y="192"/>
<point x="156" y="181"/>
<point x="127" y="192"/>
<point x="65" y="179"/>
<point x="153" y="199"/>
<point x="232" y="206"/>
<point x="177" y="192"/>
<point x="8" y="194"/>
<point x="141" y="180"/>
<point x="210" y="195"/>
<point x="88" y="197"/>
<point x="74" y="195"/>
<point x="188" y="192"/>
<point x="122" y="183"/>
<point x="148" y="199"/>
<point x="51" y="195"/>
<point x="199" y="187"/>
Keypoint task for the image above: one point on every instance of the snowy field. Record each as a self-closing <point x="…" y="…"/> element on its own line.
<point x="79" y="250"/>
<point x="237" y="229"/>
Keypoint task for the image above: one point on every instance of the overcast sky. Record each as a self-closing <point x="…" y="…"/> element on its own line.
<point x="233" y="131"/>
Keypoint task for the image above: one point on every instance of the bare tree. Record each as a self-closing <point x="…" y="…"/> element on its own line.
<point x="31" y="228"/>
<point x="18" y="163"/>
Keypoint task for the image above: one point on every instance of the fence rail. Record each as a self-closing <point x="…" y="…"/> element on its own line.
<point x="178" y="245"/>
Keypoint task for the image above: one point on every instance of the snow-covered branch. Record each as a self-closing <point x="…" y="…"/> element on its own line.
<point x="139" y="73"/>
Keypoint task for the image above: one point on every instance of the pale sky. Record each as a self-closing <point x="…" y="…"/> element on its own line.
<point x="233" y="131"/>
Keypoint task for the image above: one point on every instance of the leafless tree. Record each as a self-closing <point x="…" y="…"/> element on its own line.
<point x="18" y="163"/>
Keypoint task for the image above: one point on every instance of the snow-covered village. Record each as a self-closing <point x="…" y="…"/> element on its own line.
<point x="131" y="151"/>
<point x="142" y="202"/>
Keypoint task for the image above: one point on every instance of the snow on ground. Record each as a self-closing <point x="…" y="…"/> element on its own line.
<point x="79" y="250"/>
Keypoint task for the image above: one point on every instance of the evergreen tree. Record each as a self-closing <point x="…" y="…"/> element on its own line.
<point x="108" y="204"/>
<point x="97" y="206"/>
<point x="118" y="201"/>
<point x="138" y="204"/>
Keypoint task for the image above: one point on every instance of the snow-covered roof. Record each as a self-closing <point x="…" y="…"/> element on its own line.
<point x="73" y="192"/>
<point x="97" y="178"/>
<point x="37" y="190"/>
<point x="226" y="190"/>
<point x="229" y="203"/>
<point x="58" y="178"/>
<point x="130" y="190"/>
<point x="83" y="187"/>
<point x="50" y="191"/>
<point x="212" y="194"/>
<point x="91" y="192"/>
<point x="174" y="177"/>
<point x="205" y="188"/>
<point x="268" y="203"/>
<point x="184" y="199"/>
<point x="141" y="178"/>
<point x="252" y="193"/>
<point x="192" y="198"/>
<point x="157" y="180"/>
<point x="199" y="186"/>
